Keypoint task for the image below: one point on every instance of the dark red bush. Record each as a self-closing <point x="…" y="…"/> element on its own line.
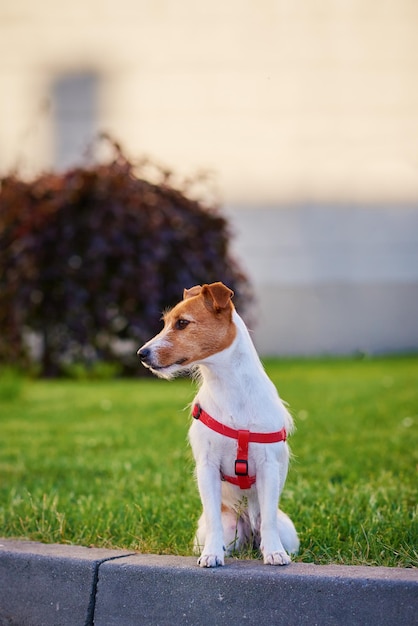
<point x="90" y="258"/>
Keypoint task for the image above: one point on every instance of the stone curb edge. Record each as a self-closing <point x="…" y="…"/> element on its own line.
<point x="61" y="585"/>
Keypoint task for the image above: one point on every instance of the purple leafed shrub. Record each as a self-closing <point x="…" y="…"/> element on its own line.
<point x="90" y="258"/>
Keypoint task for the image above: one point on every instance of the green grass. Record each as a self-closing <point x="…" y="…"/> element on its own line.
<point x="107" y="463"/>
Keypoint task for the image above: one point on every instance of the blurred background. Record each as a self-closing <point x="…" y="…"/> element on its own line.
<point x="305" y="113"/>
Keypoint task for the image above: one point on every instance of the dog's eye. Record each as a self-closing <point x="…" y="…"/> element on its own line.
<point x="181" y="324"/>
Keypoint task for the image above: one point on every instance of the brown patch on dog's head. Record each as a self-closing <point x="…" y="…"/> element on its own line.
<point x="217" y="295"/>
<point x="196" y="328"/>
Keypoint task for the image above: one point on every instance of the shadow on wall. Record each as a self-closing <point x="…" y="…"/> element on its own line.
<point x="331" y="279"/>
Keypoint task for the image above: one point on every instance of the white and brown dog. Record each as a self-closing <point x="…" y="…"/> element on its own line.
<point x="238" y="436"/>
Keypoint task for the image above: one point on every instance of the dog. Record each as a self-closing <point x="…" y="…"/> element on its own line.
<point x="238" y="434"/>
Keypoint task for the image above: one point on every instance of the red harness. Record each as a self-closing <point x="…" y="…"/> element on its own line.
<point x="243" y="437"/>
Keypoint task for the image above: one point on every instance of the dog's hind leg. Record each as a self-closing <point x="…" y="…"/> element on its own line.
<point x="234" y="530"/>
<point x="234" y="534"/>
<point x="288" y="534"/>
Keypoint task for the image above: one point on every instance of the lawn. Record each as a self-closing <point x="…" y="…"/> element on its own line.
<point x="106" y="463"/>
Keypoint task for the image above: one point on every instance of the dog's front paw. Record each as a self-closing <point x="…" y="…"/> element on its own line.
<point x="210" y="560"/>
<point x="277" y="558"/>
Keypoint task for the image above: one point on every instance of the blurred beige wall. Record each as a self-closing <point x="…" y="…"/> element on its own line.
<point x="284" y="99"/>
<point x="290" y="103"/>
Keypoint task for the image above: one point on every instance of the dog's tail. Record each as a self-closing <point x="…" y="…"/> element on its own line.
<point x="288" y="534"/>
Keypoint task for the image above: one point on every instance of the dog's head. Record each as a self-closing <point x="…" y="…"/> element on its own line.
<point x="196" y="328"/>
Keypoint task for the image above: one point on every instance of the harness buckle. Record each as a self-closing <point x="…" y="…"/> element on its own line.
<point x="197" y="410"/>
<point x="241" y="467"/>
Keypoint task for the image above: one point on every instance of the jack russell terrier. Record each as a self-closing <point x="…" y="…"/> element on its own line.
<point x="239" y="430"/>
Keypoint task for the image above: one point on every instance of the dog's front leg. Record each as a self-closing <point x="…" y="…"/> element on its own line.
<point x="268" y="489"/>
<point x="209" y="483"/>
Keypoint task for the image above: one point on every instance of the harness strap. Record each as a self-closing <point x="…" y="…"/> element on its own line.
<point x="243" y="437"/>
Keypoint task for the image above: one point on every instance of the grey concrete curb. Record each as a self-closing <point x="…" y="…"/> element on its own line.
<point x="58" y="585"/>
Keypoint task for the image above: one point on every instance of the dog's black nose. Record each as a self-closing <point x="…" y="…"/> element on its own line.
<point x="144" y="354"/>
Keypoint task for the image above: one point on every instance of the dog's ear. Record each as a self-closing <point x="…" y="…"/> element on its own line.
<point x="217" y="295"/>
<point x="193" y="291"/>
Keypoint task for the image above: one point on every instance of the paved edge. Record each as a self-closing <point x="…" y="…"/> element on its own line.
<point x="61" y="585"/>
<point x="49" y="584"/>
